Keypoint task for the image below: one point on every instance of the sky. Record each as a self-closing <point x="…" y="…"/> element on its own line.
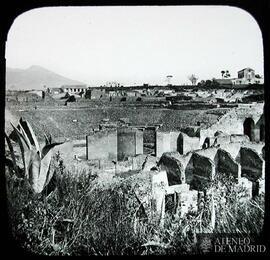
<point x="136" y="44"/>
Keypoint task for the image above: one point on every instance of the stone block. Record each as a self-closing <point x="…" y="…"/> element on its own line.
<point x="159" y="186"/>
<point x="102" y="145"/>
<point x="129" y="142"/>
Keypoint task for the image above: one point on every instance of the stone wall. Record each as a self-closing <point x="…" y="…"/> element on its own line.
<point x="188" y="144"/>
<point x="238" y="138"/>
<point x="232" y="123"/>
<point x="200" y="167"/>
<point x="114" y="144"/>
<point x="173" y="167"/>
<point x="163" y="143"/>
<point x="229" y="124"/>
<point x="227" y="165"/>
<point x="129" y="142"/>
<point x="252" y="164"/>
<point x="102" y="145"/>
<point x="201" y="170"/>
<point x="175" y="141"/>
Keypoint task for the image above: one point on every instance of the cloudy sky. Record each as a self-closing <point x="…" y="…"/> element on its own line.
<point x="136" y="44"/>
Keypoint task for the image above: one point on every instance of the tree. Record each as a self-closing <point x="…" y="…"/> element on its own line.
<point x="193" y="79"/>
<point x="225" y="74"/>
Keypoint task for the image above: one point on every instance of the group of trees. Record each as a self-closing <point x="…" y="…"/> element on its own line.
<point x="225" y="74"/>
<point x="208" y="83"/>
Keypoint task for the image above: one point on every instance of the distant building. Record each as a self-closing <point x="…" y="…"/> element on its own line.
<point x="131" y="93"/>
<point x="95" y="93"/>
<point x="113" y="84"/>
<point x="55" y="91"/>
<point x="247" y="76"/>
<point x="74" y="89"/>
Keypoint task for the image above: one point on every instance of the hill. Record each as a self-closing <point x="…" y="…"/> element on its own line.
<point x="35" y="77"/>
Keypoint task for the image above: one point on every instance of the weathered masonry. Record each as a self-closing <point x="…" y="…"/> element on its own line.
<point x="114" y="145"/>
<point x="129" y="143"/>
<point x="199" y="168"/>
<point x="102" y="145"/>
<point x="242" y="124"/>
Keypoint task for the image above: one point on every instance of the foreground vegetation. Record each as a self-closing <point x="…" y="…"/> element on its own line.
<point x="80" y="217"/>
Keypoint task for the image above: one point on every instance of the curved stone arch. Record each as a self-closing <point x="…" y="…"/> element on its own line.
<point x="252" y="164"/>
<point x="227" y="165"/>
<point x="206" y="143"/>
<point x="174" y="168"/>
<point x="180" y="143"/>
<point x="248" y="127"/>
<point x="199" y="171"/>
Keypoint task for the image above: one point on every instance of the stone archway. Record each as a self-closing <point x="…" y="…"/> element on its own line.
<point x="180" y="144"/>
<point x="206" y="143"/>
<point x="249" y="128"/>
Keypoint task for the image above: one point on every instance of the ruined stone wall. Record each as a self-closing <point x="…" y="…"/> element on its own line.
<point x="238" y="138"/>
<point x="190" y="143"/>
<point x="163" y="141"/>
<point x="174" y="135"/>
<point x="229" y="124"/>
<point x="102" y="145"/>
<point x="221" y="139"/>
<point x="129" y="143"/>
<point x="252" y="164"/>
<point x="175" y="141"/>
<point x="232" y="123"/>
<point x="227" y="165"/>
<point x="174" y="169"/>
<point x="200" y="167"/>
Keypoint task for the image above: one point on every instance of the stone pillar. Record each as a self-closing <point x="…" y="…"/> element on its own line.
<point x="239" y="172"/>
<point x="213" y="172"/>
<point x="261" y="183"/>
<point x="263" y="169"/>
<point x="159" y="144"/>
<point x="256" y="134"/>
<point x="159" y="186"/>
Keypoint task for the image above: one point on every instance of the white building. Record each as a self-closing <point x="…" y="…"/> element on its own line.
<point x="74" y="89"/>
<point x="247" y="76"/>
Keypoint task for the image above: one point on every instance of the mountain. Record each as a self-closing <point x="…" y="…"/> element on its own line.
<point x="35" y="77"/>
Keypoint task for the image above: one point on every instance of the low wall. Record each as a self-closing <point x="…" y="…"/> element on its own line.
<point x="239" y="138"/>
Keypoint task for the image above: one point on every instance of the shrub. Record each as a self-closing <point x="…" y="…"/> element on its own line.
<point x="83" y="218"/>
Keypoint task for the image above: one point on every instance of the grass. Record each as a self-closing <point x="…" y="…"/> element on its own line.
<point x="81" y="217"/>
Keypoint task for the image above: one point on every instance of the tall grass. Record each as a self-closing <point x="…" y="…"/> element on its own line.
<point x="81" y="218"/>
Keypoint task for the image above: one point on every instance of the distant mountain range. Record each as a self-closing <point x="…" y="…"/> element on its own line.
<point x="35" y="77"/>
